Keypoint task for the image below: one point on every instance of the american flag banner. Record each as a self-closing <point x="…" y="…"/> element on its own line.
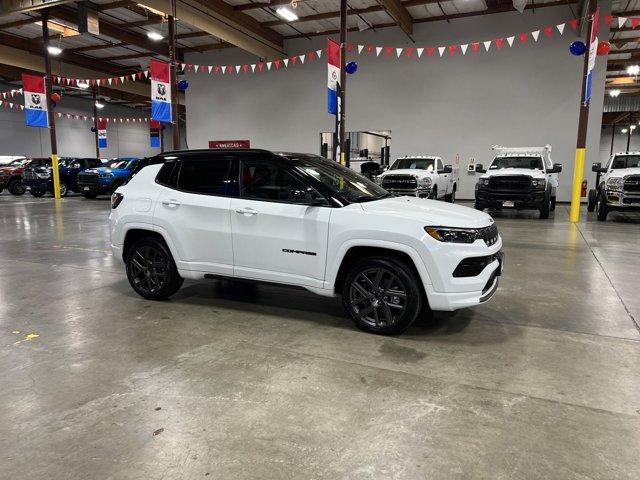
<point x="333" y="71"/>
<point x="35" y="101"/>
<point x="160" y="91"/>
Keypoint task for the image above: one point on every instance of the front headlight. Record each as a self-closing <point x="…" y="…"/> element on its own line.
<point x="452" y="234"/>
<point x="378" y="179"/>
<point x="539" y="183"/>
<point x="483" y="182"/>
<point x="424" y="182"/>
<point x="43" y="175"/>
<point x="106" y="175"/>
<point x="615" y="183"/>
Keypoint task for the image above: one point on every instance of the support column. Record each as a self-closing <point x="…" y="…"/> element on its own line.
<point x="583" y="122"/>
<point x="95" y="121"/>
<point x="613" y="135"/>
<point x="173" y="68"/>
<point x="343" y="80"/>
<point x="50" y="112"/>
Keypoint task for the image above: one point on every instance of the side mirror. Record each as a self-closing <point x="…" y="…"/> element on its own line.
<point x="480" y="168"/>
<point x="307" y="197"/>
<point x="446" y="169"/>
<point x="598" y="168"/>
<point x="557" y="168"/>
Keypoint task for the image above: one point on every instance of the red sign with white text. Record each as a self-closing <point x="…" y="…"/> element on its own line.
<point x="229" y="144"/>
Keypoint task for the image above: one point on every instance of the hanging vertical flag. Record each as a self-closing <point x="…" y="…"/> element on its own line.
<point x="154" y="133"/>
<point x="35" y="101"/>
<point x="333" y="70"/>
<point x="160" y="91"/>
<point x="593" y="50"/>
<point x="102" y="133"/>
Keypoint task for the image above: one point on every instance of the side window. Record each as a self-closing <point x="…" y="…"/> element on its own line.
<point x="165" y="174"/>
<point x="439" y="165"/>
<point x="264" y="180"/>
<point x="208" y="176"/>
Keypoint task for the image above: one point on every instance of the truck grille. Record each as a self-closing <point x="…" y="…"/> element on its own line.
<point x="632" y="183"/>
<point x="88" y="178"/>
<point x="400" y="182"/>
<point x="489" y="234"/>
<point x="510" y="183"/>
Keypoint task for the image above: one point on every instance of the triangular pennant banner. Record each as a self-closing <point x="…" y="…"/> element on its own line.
<point x="441" y="50"/>
<point x="269" y="65"/>
<point x="224" y="69"/>
<point x="378" y="50"/>
<point x="608" y="19"/>
<point x="548" y="31"/>
<point x="286" y="62"/>
<point x="360" y="48"/>
<point x="431" y="51"/>
<point x="560" y="28"/>
<point x="319" y="53"/>
<point x="463" y="48"/>
<point x="621" y="21"/>
<point x="523" y="37"/>
<point x="635" y="22"/>
<point x="499" y="42"/>
<point x="302" y="57"/>
<point x="475" y="46"/>
<point x="510" y="40"/>
<point x="253" y="67"/>
<point x="535" y="34"/>
<point x="238" y="67"/>
<point x="388" y="50"/>
<point x="419" y="51"/>
<point x="409" y="51"/>
<point x="146" y="74"/>
<point x="487" y="45"/>
<point x="210" y="67"/>
<point x="399" y="51"/>
<point x="452" y="49"/>
<point x="573" y="23"/>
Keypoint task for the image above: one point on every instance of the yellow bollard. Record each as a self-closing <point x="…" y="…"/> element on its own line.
<point x="56" y="176"/>
<point x="578" y="172"/>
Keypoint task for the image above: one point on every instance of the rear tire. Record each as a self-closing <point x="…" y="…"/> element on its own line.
<point x="16" y="187"/>
<point x="382" y="295"/>
<point x="64" y="189"/>
<point x="151" y="270"/>
<point x="602" y="209"/>
<point x="37" y="192"/>
<point x="592" y="200"/>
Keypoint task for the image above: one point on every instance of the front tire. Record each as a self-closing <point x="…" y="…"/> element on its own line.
<point x="16" y="187"/>
<point x="553" y="203"/>
<point x="37" y="192"/>
<point x="64" y="189"/>
<point x="151" y="270"/>
<point x="592" y="200"/>
<point x="382" y="295"/>
<point x="602" y="209"/>
<point x="451" y="198"/>
<point x="545" y="208"/>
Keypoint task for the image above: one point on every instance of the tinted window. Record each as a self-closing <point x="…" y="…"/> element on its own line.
<point x="626" y="161"/>
<point x="165" y="173"/>
<point x="94" y="162"/>
<point x="209" y="176"/>
<point x="265" y="180"/>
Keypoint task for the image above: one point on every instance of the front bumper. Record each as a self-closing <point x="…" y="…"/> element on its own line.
<point x="413" y="192"/>
<point x="521" y="200"/>
<point x="94" y="188"/>
<point x="37" y="183"/>
<point x="623" y="201"/>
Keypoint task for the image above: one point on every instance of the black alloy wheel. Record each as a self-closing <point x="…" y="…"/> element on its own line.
<point x="151" y="270"/>
<point x="382" y="296"/>
<point x="592" y="200"/>
<point x="64" y="189"/>
<point x="16" y="187"/>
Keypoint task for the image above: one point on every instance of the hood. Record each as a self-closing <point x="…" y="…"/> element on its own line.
<point x="99" y="170"/>
<point x="530" y="172"/>
<point x="623" y="172"/>
<point x="429" y="212"/>
<point x="418" y="172"/>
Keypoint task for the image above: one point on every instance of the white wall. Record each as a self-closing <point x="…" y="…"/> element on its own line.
<point x="74" y="137"/>
<point x="520" y="96"/>
<point x="619" y="142"/>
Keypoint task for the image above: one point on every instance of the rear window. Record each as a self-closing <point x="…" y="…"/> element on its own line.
<point x="531" y="162"/>
<point x="209" y="176"/>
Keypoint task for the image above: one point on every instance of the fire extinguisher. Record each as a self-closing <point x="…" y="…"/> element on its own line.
<point x="583" y="192"/>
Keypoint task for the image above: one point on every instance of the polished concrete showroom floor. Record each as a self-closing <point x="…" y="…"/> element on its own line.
<point x="231" y="381"/>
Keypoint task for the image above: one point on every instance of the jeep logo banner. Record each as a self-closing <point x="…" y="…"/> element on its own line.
<point x="35" y="101"/>
<point x="160" y="91"/>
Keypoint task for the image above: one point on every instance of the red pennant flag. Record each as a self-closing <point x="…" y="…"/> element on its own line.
<point x="277" y="63"/>
<point x="452" y="50"/>
<point x="607" y="19"/>
<point x="93" y="82"/>
<point x="573" y="24"/>
<point x="548" y="31"/>
<point x="475" y="46"/>
<point x="311" y="56"/>
<point x="203" y="68"/>
<point x="230" y="69"/>
<point x="431" y="51"/>
<point x="349" y="47"/>
<point x="369" y="49"/>
<point x="499" y="42"/>
<point x="293" y="60"/>
<point x="139" y="75"/>
<point x="245" y="67"/>
<point x="523" y="37"/>
<point x="189" y="67"/>
<point x="635" y="22"/>
<point x="409" y="51"/>
<point x="261" y="66"/>
<point x="388" y="50"/>
<point x="216" y="69"/>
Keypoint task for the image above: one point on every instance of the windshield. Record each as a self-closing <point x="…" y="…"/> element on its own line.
<point x="347" y="183"/>
<point x="18" y="163"/>
<point x="414" y="163"/>
<point x="625" y="161"/>
<point x="117" y="164"/>
<point x="516" y="162"/>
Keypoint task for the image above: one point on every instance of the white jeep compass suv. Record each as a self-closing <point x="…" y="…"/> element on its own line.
<point x="301" y="220"/>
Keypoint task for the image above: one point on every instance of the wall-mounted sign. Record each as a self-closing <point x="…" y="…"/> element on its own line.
<point x="229" y="144"/>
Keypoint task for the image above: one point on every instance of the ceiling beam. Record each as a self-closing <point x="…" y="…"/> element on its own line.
<point x="325" y="16"/>
<point x="117" y="4"/>
<point x="90" y="48"/>
<point x="252" y="6"/>
<point x="20" y="23"/>
<point x="399" y="13"/>
<point x="208" y="47"/>
<point x="9" y="7"/>
<point x="192" y="35"/>
<point x="221" y="20"/>
<point x="126" y="57"/>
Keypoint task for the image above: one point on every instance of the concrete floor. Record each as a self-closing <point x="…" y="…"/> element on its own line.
<point x="231" y="382"/>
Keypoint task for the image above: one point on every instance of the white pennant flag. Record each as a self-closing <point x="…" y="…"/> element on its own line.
<point x="133" y="77"/>
<point x="302" y="57"/>
<point x="10" y="104"/>
<point x="464" y="48"/>
<point x="286" y="62"/>
<point x="109" y="80"/>
<point x="253" y="67"/>
<point x="560" y="28"/>
<point x="621" y="21"/>
<point x="146" y="74"/>
<point x="195" y="68"/>
<point x="224" y="69"/>
<point x="510" y="41"/>
<point x="237" y="68"/>
<point x="487" y="45"/>
<point x="399" y="51"/>
<point x="183" y="66"/>
<point x="210" y="67"/>
<point x="378" y="50"/>
<point x="268" y="65"/>
<point x="441" y="50"/>
<point x="535" y="35"/>
<point x="419" y="51"/>
<point x="122" y="79"/>
<point x="319" y="53"/>
<point x="360" y="48"/>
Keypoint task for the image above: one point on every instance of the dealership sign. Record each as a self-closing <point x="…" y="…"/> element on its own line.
<point x="229" y="144"/>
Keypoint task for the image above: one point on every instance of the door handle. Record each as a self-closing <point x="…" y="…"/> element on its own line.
<point x="246" y="211"/>
<point x="171" y="203"/>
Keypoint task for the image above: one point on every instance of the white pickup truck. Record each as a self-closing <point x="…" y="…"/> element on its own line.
<point x="521" y="178"/>
<point x="617" y="185"/>
<point x="421" y="176"/>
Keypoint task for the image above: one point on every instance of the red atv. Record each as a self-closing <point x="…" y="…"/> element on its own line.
<point x="11" y="176"/>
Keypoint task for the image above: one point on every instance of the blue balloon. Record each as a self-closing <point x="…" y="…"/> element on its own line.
<point x="93" y="129"/>
<point x="351" y="67"/>
<point x="577" y="48"/>
<point x="183" y="85"/>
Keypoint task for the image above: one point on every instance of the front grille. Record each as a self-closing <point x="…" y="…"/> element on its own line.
<point x="473" y="266"/>
<point x="400" y="182"/>
<point x="631" y="200"/>
<point x="489" y="234"/>
<point x="88" y="178"/>
<point x="510" y="183"/>
<point x="632" y="183"/>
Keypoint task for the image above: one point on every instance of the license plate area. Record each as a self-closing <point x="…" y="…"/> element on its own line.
<point x="508" y="204"/>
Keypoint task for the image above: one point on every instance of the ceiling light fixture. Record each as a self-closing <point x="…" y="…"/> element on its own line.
<point x="155" y="36"/>
<point x="624" y="130"/>
<point x="99" y="105"/>
<point x="287" y="14"/>
<point x="614" y="93"/>
<point x="83" y="85"/>
<point x="633" y="70"/>
<point x="53" y="50"/>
